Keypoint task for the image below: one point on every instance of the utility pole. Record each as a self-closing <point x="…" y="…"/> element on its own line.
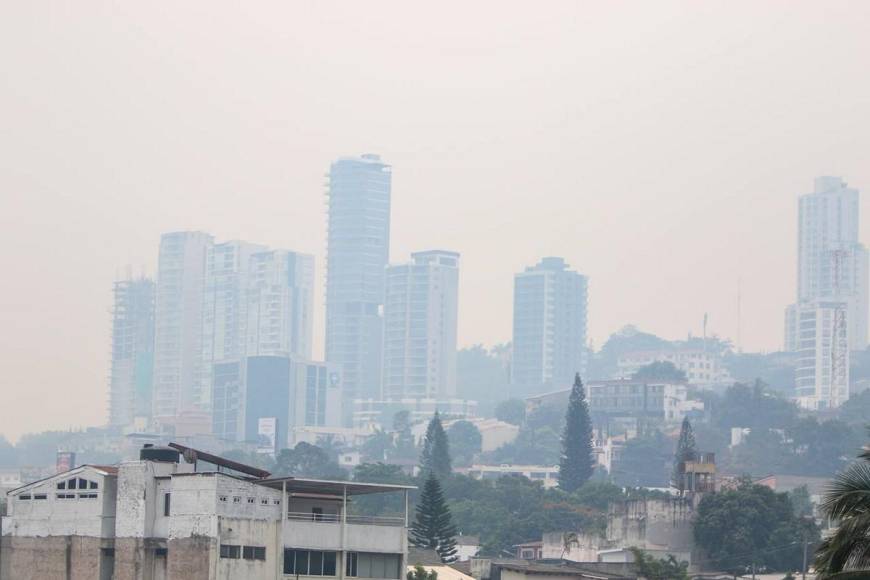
<point x="806" y="545"/>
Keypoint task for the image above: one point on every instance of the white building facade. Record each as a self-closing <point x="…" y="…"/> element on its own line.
<point x="549" y="327"/>
<point x="420" y="326"/>
<point x="822" y="373"/>
<point x="832" y="262"/>
<point x="358" y="245"/>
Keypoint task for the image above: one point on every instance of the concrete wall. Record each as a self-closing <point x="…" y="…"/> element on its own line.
<point x="652" y="525"/>
<point x="54" y="558"/>
<point x="585" y="549"/>
<point x="359" y="538"/>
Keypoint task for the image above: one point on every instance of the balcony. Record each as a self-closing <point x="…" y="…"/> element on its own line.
<point x="361" y="533"/>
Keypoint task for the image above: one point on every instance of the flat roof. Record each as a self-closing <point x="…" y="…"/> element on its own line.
<point x="324" y="486"/>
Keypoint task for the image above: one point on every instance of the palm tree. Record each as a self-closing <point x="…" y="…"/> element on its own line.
<point x="847" y="502"/>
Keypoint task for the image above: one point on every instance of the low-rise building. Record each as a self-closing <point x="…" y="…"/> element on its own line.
<point x="548" y="475"/>
<point x="378" y="413"/>
<point x="199" y="518"/>
<point x="703" y="368"/>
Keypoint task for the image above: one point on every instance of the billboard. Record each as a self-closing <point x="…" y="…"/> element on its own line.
<point x="267" y="435"/>
<point x="65" y="461"/>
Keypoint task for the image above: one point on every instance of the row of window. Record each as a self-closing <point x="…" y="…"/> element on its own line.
<point x="235" y="552"/>
<point x="357" y="564"/>
<point x="73" y="496"/>
<point x="251" y="500"/>
<point x="77" y="483"/>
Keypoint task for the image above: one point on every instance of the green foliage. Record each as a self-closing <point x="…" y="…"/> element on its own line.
<point x="598" y="495"/>
<point x="306" y="460"/>
<point x="856" y="411"/>
<point x="435" y="457"/>
<point x="577" y="461"/>
<point x="531" y="447"/>
<point x="687" y="450"/>
<point x="261" y="460"/>
<point x="420" y="573"/>
<point x="801" y="503"/>
<point x="377" y="447"/>
<point x="660" y="371"/>
<point x="433" y="527"/>
<point x="751" y="524"/>
<point x="482" y="375"/>
<point x="379" y="504"/>
<point x="847" y="502"/>
<point x="513" y="509"/>
<point x="659" y="569"/>
<point x="644" y="462"/>
<point x="465" y="441"/>
<point x="511" y="411"/>
<point x="405" y="446"/>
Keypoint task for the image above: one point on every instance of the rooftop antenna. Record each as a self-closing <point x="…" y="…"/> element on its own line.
<point x="739" y="347"/>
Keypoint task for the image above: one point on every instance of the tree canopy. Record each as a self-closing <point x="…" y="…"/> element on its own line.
<point x="433" y="526"/>
<point x="435" y="457"/>
<point x="577" y="462"/>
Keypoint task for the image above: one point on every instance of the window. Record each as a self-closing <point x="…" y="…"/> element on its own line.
<point x="66" y="496"/>
<point x="254" y="553"/>
<point x="61" y="485"/>
<point x="40" y="496"/>
<point x="87" y="496"/>
<point x="92" y="485"/>
<point x="264" y="501"/>
<point x="310" y="562"/>
<point x="317" y="514"/>
<point x="72" y="483"/>
<point x="24" y="497"/>
<point x="370" y="565"/>
<point x="167" y="501"/>
<point x="276" y="501"/>
<point x="222" y="498"/>
<point x="160" y="552"/>
<point x="230" y="551"/>
<point x="237" y="499"/>
<point x="252" y="500"/>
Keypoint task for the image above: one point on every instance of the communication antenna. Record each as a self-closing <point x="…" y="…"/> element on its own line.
<point x="838" y="329"/>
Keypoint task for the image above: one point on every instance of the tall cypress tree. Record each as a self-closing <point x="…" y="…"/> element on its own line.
<point x="686" y="451"/>
<point x="576" y="463"/>
<point x="435" y="457"/>
<point x="433" y="527"/>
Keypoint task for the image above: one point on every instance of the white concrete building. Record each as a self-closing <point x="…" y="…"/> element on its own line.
<point x="548" y="475"/>
<point x="376" y="413"/>
<point x="832" y="262"/>
<point x="181" y="279"/>
<point x="549" y="327"/>
<point x="358" y="249"/>
<point x="822" y="373"/>
<point x="703" y="368"/>
<point x="420" y="326"/>
<point x="132" y="366"/>
<point x="201" y="518"/>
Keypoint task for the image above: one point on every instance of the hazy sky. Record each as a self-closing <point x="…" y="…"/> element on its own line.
<point x="659" y="147"/>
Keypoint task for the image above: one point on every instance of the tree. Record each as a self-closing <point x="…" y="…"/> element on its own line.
<point x="751" y="525"/>
<point x="377" y="447"/>
<point x="644" y="462"/>
<point x="433" y="527"/>
<point x="306" y="460"/>
<point x="511" y="411"/>
<point x="576" y="463"/>
<point x="435" y="457"/>
<point x="420" y="573"/>
<point x="660" y="371"/>
<point x="465" y="441"/>
<point x="405" y="447"/>
<point x="659" y="569"/>
<point x="686" y="451"/>
<point x="848" y="503"/>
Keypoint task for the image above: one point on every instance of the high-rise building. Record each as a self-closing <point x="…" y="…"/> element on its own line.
<point x="832" y="262"/>
<point x="181" y="279"/>
<point x="225" y="304"/>
<point x="358" y="244"/>
<point x="259" y="304"/>
<point x="280" y="296"/>
<point x="549" y="329"/>
<point x="420" y="319"/>
<point x="822" y="373"/>
<point x="132" y="351"/>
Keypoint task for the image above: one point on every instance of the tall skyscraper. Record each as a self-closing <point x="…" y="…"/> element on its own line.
<point x="178" y="348"/>
<point x="832" y="262"/>
<point x="132" y="351"/>
<point x="358" y="245"/>
<point x="225" y="304"/>
<point x="549" y="330"/>
<point x="280" y="310"/>
<point x="420" y="323"/>
<point x="266" y="300"/>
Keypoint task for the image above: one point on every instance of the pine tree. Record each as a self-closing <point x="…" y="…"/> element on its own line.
<point x="433" y="526"/>
<point x="576" y="463"/>
<point x="435" y="457"/>
<point x="686" y="451"/>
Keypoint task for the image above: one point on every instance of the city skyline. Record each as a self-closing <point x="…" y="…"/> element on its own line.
<point x="657" y="153"/>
